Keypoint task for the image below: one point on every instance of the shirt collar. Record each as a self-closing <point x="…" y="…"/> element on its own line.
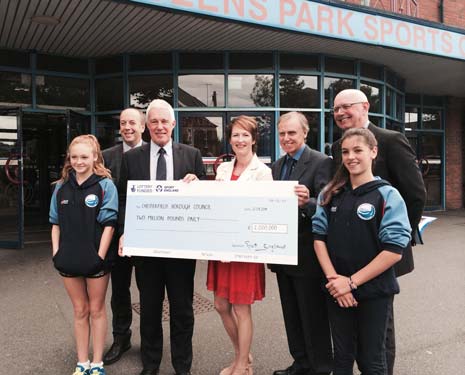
<point x="154" y="148"/>
<point x="126" y="147"/>
<point x="298" y="154"/>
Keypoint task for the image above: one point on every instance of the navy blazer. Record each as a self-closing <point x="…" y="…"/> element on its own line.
<point x="313" y="170"/>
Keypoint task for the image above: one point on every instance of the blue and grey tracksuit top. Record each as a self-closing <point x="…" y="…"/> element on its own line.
<point x="357" y="225"/>
<point x="82" y="212"/>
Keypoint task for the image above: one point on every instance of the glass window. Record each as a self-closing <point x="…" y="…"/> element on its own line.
<point x="109" y="65"/>
<point x="390" y="97"/>
<point x="292" y="61"/>
<point x="399" y="106"/>
<point x="334" y="65"/>
<point x="433" y="101"/>
<point x="257" y="61"/>
<point x="371" y="71"/>
<point x="430" y="158"/>
<point x="152" y="61"/>
<point x="296" y="91"/>
<point x="107" y="127"/>
<point x="394" y="125"/>
<point x="62" y="64"/>
<point x="15" y="89"/>
<point x="109" y="94"/>
<point x="144" y="89"/>
<point x="251" y="90"/>
<point x="60" y="92"/>
<point x="14" y="58"/>
<point x="201" y="90"/>
<point x="373" y="93"/>
<point x="334" y="86"/>
<point x="431" y="119"/>
<point x="411" y="119"/>
<point x="332" y="132"/>
<point x="201" y="61"/>
<point x="391" y="78"/>
<point x="204" y="133"/>
<point x="412" y="99"/>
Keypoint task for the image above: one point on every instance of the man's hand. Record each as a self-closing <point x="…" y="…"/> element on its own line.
<point x="303" y="195"/>
<point x="190" y="177"/>
<point x="347" y="300"/>
<point x="120" y="247"/>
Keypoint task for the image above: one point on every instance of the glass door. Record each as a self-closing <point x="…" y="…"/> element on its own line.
<point x="11" y="179"/>
<point x="77" y="124"/>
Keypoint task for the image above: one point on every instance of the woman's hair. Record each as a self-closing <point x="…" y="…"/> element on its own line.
<point x="99" y="168"/>
<point x="247" y="123"/>
<point x="342" y="176"/>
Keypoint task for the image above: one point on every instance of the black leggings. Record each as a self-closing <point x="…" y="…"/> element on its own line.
<point x="359" y="334"/>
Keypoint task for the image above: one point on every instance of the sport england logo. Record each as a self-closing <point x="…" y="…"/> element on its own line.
<point x="366" y="211"/>
<point x="159" y="188"/>
<point x="91" y="200"/>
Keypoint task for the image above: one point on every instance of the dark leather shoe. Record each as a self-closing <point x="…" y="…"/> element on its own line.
<point x="120" y="345"/>
<point x="184" y="373"/>
<point x="149" y="372"/>
<point x="291" y="371"/>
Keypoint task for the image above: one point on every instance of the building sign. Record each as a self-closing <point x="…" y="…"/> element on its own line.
<point x="329" y="21"/>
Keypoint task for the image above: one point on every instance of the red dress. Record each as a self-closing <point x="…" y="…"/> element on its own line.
<point x="239" y="282"/>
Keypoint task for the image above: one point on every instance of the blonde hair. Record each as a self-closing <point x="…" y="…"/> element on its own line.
<point x="98" y="168"/>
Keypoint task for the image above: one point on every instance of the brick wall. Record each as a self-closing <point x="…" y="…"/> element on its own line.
<point x="454" y="10"/>
<point x="455" y="168"/>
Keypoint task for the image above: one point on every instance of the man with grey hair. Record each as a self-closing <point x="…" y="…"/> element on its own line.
<point x="395" y="163"/>
<point x="163" y="159"/>
<point x="302" y="299"/>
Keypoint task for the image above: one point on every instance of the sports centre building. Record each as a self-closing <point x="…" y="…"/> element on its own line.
<point x="70" y="66"/>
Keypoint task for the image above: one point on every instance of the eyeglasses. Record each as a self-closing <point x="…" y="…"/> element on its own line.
<point x="345" y="107"/>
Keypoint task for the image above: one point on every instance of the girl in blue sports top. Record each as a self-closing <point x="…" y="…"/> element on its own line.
<point x="360" y="229"/>
<point x="83" y="213"/>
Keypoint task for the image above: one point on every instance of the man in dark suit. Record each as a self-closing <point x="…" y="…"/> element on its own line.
<point x="300" y="287"/>
<point x="131" y="127"/>
<point x="162" y="159"/>
<point x="396" y="163"/>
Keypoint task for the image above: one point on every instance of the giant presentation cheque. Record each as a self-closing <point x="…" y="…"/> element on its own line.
<point x="216" y="220"/>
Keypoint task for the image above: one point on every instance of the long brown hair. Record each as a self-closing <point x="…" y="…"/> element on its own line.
<point x="98" y="168"/>
<point x="342" y="177"/>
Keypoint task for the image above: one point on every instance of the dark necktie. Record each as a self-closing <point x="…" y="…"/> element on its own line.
<point x="290" y="163"/>
<point x="161" y="165"/>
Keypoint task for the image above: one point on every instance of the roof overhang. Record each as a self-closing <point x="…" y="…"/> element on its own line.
<point x="431" y="58"/>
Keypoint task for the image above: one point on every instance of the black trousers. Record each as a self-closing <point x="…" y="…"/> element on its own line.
<point x="153" y="275"/>
<point x="390" y="341"/>
<point x="359" y="334"/>
<point x="121" y="308"/>
<point x="306" y="322"/>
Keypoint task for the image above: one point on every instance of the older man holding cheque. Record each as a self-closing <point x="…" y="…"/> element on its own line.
<point x="162" y="159"/>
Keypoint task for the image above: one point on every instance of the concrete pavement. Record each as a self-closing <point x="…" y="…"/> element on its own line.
<point x="37" y="335"/>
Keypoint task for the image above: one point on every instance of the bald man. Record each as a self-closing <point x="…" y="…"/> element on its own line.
<point x="396" y="163"/>
<point x="131" y="127"/>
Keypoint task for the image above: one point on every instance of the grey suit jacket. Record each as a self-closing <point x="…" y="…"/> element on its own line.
<point x="135" y="165"/>
<point x="314" y="171"/>
<point x="396" y="163"/>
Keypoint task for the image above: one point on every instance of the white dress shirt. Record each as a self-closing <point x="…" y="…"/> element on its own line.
<point x="154" y="155"/>
<point x="126" y="147"/>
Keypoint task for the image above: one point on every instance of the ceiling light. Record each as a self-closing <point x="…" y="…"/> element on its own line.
<point x="45" y="20"/>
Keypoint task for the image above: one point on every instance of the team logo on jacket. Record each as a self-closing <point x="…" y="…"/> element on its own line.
<point x="91" y="200"/>
<point x="366" y="211"/>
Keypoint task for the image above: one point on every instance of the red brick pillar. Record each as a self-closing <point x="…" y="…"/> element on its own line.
<point x="455" y="169"/>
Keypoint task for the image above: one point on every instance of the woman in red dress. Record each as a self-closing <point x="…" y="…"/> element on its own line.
<point x="238" y="284"/>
